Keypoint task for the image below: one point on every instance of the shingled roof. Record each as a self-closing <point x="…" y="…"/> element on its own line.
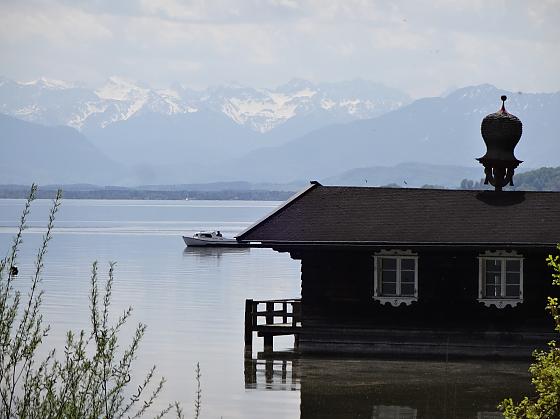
<point x="357" y="215"/>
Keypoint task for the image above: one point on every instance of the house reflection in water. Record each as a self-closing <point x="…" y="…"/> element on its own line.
<point x="391" y="412"/>
<point x="267" y="373"/>
<point x="389" y="389"/>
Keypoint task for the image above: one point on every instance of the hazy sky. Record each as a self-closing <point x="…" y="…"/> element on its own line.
<point x="421" y="46"/>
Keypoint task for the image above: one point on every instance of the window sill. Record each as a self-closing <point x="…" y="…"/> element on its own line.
<point x="500" y="302"/>
<point x="396" y="301"/>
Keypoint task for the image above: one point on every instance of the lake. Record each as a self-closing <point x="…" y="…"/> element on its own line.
<point x="193" y="303"/>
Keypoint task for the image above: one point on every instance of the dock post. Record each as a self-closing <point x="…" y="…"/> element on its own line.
<point x="296" y="310"/>
<point x="248" y="323"/>
<point x="268" y="342"/>
<point x="269" y="312"/>
<point x="269" y="337"/>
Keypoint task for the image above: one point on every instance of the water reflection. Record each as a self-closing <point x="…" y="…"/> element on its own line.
<point x="394" y="412"/>
<point x="271" y="373"/>
<point x="214" y="251"/>
<point x="388" y="389"/>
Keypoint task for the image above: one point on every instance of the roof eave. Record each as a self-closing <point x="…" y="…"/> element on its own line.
<point x="273" y="243"/>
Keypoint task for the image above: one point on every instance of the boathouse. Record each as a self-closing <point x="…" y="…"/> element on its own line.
<point x="422" y="271"/>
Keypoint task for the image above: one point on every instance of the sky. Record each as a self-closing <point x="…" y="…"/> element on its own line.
<point x="424" y="47"/>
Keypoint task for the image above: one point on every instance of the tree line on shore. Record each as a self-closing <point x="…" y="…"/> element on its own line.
<point x="18" y="192"/>
<point x="543" y="179"/>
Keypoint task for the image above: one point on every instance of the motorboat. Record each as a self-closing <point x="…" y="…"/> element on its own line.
<point x="210" y="238"/>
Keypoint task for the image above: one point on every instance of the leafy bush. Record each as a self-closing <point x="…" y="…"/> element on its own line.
<point x="92" y="377"/>
<point x="545" y="370"/>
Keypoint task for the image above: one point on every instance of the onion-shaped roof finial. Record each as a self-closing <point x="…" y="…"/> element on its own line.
<point x="501" y="132"/>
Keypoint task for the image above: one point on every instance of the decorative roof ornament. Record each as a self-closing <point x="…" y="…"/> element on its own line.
<point x="501" y="132"/>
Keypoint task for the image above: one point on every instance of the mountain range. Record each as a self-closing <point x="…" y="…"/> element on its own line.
<point x="54" y="102"/>
<point x="439" y="130"/>
<point x="346" y="132"/>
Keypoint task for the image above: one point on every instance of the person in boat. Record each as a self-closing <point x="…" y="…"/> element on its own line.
<point x="218" y="234"/>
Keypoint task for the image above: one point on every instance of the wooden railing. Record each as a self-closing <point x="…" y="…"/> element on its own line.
<point x="271" y="318"/>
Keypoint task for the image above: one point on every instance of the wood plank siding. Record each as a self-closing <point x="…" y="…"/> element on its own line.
<point x="340" y="315"/>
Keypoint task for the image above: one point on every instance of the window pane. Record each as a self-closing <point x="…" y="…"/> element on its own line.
<point x="389" y="288"/>
<point x="492" y="291"/>
<point x="407" y="264"/>
<point x="512" y="278"/>
<point x="389" y="264"/>
<point x="493" y="265"/>
<point x="513" y="265"/>
<point x="407" y="277"/>
<point x="493" y="278"/>
<point x="407" y="289"/>
<point x="512" y="291"/>
<point x="389" y="276"/>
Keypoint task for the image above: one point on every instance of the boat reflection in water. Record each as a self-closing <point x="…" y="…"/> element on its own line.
<point x="208" y="251"/>
<point x="388" y="389"/>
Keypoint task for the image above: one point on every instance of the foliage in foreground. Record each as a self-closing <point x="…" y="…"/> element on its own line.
<point x="92" y="377"/>
<point x="545" y="370"/>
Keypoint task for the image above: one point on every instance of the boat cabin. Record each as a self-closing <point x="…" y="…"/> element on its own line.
<point x="207" y="234"/>
<point x="203" y="235"/>
<point x="422" y="271"/>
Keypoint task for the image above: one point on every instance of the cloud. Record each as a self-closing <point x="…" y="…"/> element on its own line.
<point x="421" y="46"/>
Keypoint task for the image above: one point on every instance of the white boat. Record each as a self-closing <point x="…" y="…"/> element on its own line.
<point x="210" y="238"/>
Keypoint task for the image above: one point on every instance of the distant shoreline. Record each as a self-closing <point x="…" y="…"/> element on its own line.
<point x="19" y="192"/>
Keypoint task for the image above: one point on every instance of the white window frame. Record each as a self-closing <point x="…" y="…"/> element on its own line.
<point x="502" y="301"/>
<point x="394" y="300"/>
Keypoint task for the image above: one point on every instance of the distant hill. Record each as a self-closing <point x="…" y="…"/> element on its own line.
<point x="412" y="175"/>
<point x="177" y="148"/>
<point x="543" y="179"/>
<point x="35" y="153"/>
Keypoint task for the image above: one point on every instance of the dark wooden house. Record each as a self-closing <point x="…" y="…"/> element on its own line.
<point x="421" y="271"/>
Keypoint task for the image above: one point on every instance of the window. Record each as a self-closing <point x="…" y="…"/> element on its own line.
<point x="500" y="279"/>
<point x="395" y="277"/>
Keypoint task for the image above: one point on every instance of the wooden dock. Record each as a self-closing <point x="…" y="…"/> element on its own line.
<point x="271" y="318"/>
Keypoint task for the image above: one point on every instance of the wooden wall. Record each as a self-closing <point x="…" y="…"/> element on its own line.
<point x="339" y="311"/>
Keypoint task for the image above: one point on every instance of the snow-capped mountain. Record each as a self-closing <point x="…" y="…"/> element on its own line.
<point x="52" y="102"/>
<point x="132" y="134"/>
<point x="265" y="109"/>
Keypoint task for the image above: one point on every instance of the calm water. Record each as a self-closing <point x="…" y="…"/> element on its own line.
<point x="193" y="303"/>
